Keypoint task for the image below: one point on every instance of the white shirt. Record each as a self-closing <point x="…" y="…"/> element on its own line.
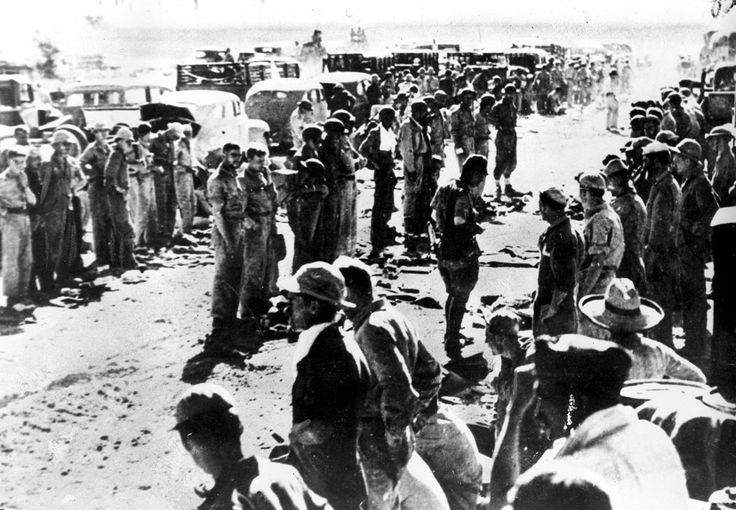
<point x="304" y="344"/>
<point x="388" y="139"/>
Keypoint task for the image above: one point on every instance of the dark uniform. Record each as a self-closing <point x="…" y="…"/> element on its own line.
<point x="462" y="129"/>
<point x="304" y="207"/>
<point x="457" y="257"/>
<point x="93" y="162"/>
<point x="382" y="162"/>
<point x="698" y="205"/>
<point x="260" y="264"/>
<point x="560" y="248"/>
<point x="224" y="188"/>
<point x="660" y="252"/>
<point x="633" y="214"/>
<point x="163" y="177"/>
<point x="503" y="116"/>
<point x="116" y="179"/>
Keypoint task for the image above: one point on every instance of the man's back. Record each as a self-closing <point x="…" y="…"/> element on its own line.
<point x="635" y="457"/>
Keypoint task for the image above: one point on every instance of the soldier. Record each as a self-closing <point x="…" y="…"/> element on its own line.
<point x="482" y="133"/>
<point x="458" y="252"/>
<point x="331" y="379"/>
<point x="59" y="177"/>
<point x="227" y="197"/>
<point x="116" y="187"/>
<point x="92" y="162"/>
<point x="260" y="261"/>
<point x="503" y="117"/>
<point x="416" y="154"/>
<point x="698" y="205"/>
<point x="462" y="126"/>
<point x="660" y="250"/>
<point x="431" y="82"/>
<point x="162" y="149"/>
<point x="560" y="249"/>
<point x="15" y="199"/>
<point x="304" y="205"/>
<point x="724" y="168"/>
<point x="447" y="84"/>
<point x="183" y="175"/>
<point x="436" y="123"/>
<point x="542" y="86"/>
<point x="379" y="149"/>
<point x="143" y="193"/>
<point x="652" y="122"/>
<point x="604" y="243"/>
<point x="301" y="117"/>
<point x="633" y="215"/>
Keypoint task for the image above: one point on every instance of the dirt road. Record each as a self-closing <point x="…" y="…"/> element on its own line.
<point x="87" y="394"/>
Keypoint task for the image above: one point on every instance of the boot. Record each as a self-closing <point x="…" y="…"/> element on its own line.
<point x="512" y="193"/>
<point x="499" y="193"/>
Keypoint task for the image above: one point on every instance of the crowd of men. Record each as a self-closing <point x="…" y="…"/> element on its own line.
<point x="367" y="427"/>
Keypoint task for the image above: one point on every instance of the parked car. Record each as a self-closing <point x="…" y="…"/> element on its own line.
<point x="529" y="58"/>
<point x="273" y="101"/>
<point x="20" y="103"/>
<point x="109" y="103"/>
<point x="216" y="117"/>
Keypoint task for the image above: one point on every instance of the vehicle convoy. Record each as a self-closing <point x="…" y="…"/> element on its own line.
<point x="108" y="103"/>
<point x="234" y="77"/>
<point x="273" y="101"/>
<point x="358" y="62"/>
<point x="216" y="117"/>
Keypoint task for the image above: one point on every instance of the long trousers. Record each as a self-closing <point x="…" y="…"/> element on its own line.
<point x="17" y="256"/>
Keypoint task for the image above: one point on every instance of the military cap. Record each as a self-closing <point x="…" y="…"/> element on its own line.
<point x="487" y="100"/>
<point x="16" y="151"/>
<point x="656" y="112"/>
<point x="592" y="181"/>
<point x="305" y="105"/>
<point x="61" y="136"/>
<point x="311" y="132"/>
<point x="580" y="361"/>
<point x="610" y="157"/>
<point x="386" y="112"/>
<point x="637" y="110"/>
<point x="333" y="125"/>
<point x="636" y="121"/>
<point x="344" y="116"/>
<point x="476" y="162"/>
<point x="615" y="167"/>
<point x="321" y="281"/>
<point x="674" y="98"/>
<point x="651" y="117"/>
<point x="418" y="105"/>
<point x="125" y="134"/>
<point x="467" y="90"/>
<point x="726" y="130"/>
<point x="315" y="167"/>
<point x="202" y="399"/>
<point x="401" y="96"/>
<point x="655" y="147"/>
<point x="429" y="100"/>
<point x="510" y="88"/>
<point x="689" y="149"/>
<point x="667" y="136"/>
<point x="256" y="149"/>
<point x="554" y="197"/>
<point x="440" y="94"/>
<point x="666" y="92"/>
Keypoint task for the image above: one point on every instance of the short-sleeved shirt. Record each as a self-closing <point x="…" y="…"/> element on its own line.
<point x="604" y="236"/>
<point x="224" y="188"/>
<point x="12" y="190"/>
<point x="453" y="201"/>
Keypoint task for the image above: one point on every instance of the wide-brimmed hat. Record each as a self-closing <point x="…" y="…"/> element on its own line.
<point x="690" y="149"/>
<point x="621" y="308"/>
<point x="726" y="130"/>
<point x="321" y="281"/>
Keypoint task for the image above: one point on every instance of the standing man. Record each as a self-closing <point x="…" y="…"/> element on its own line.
<point x="143" y="208"/>
<point x="379" y="148"/>
<point x="184" y="176"/>
<point x="93" y="162"/>
<point x="633" y="215"/>
<point x="331" y="379"/>
<point x="437" y="123"/>
<point x="431" y="82"/>
<point x="724" y="168"/>
<point x="15" y="225"/>
<point x="462" y="126"/>
<point x="416" y="154"/>
<point x="503" y="116"/>
<point x="660" y="249"/>
<point x="162" y="149"/>
<point x="482" y="139"/>
<point x="698" y="205"/>
<point x="604" y="237"/>
<point x="300" y="118"/>
<point x="116" y="187"/>
<point x="458" y="252"/>
<point x="560" y="249"/>
<point x="260" y="264"/>
<point x="331" y="157"/>
<point x="227" y="197"/>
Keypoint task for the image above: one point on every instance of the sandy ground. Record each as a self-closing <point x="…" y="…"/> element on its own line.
<point x="87" y="394"/>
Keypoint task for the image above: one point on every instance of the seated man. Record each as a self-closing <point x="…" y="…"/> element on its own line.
<point x="577" y="381"/>
<point x="622" y="312"/>
<point x="210" y="431"/>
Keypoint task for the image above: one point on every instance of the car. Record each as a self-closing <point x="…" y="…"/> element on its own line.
<point x="720" y="91"/>
<point x="21" y="104"/>
<point x="273" y="101"/>
<point x="109" y="103"/>
<point x="216" y="117"/>
<point x="529" y="58"/>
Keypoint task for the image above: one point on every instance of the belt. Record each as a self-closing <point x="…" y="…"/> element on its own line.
<point x="16" y="210"/>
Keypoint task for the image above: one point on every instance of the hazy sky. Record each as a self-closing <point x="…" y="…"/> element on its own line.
<point x="213" y="12"/>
